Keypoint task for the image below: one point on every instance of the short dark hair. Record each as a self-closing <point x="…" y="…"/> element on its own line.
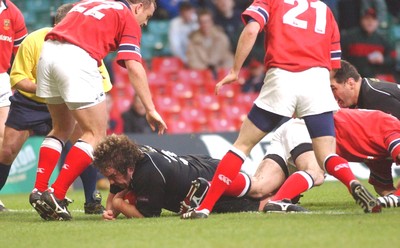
<point x="346" y="71"/>
<point x="117" y="152"/>
<point x="146" y="3"/>
<point x="62" y="12"/>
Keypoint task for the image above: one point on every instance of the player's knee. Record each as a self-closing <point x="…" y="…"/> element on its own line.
<point x="8" y="155"/>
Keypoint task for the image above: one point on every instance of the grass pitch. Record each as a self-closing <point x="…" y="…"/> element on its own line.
<point x="334" y="221"/>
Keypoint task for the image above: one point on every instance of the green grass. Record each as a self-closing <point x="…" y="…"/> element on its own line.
<point x="335" y="221"/>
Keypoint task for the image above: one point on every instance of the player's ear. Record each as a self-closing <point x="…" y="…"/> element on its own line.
<point x="138" y="8"/>
<point x="351" y="82"/>
<point x="130" y="170"/>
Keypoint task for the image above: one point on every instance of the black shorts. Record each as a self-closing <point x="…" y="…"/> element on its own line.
<point x="26" y="114"/>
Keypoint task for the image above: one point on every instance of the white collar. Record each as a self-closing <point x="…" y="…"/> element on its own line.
<point x="2" y="6"/>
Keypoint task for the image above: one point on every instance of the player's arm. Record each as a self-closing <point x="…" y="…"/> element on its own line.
<point x="110" y="213"/>
<point x="23" y="67"/>
<point x="245" y="44"/>
<point x="124" y="207"/>
<point x="138" y="78"/>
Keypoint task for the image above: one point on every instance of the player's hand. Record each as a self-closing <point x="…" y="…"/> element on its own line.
<point x="230" y="78"/>
<point x="108" y="215"/>
<point x="155" y="121"/>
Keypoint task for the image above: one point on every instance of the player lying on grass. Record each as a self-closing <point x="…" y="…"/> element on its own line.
<point x="154" y="179"/>
<point x="368" y="136"/>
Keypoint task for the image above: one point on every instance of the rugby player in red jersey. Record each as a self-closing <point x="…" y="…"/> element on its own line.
<point x="69" y="80"/>
<point x="12" y="32"/>
<point x="302" y="44"/>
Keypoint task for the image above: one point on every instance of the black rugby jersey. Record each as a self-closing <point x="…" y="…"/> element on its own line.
<point x="380" y="95"/>
<point x="162" y="179"/>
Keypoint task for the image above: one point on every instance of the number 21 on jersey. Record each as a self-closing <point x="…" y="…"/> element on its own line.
<point x="292" y="16"/>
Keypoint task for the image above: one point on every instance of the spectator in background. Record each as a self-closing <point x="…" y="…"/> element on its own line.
<point x="180" y="29"/>
<point x="115" y="122"/>
<point x="171" y="7"/>
<point x="228" y="18"/>
<point x="368" y="50"/>
<point x="255" y="80"/>
<point x="134" y="119"/>
<point x="349" y="12"/>
<point x="209" y="46"/>
<point x="13" y="31"/>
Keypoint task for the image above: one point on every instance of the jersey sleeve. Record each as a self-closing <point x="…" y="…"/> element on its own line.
<point x="257" y="11"/>
<point x="20" y="30"/>
<point x="24" y="62"/>
<point x="129" y="47"/>
<point x="336" y="52"/>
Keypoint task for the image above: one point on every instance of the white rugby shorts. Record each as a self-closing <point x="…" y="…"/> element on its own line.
<point x="301" y="93"/>
<point x="5" y="90"/>
<point x="67" y="73"/>
<point x="287" y="137"/>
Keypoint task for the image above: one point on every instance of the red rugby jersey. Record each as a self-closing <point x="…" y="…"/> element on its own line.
<point x="99" y="27"/>
<point x="299" y="34"/>
<point x="12" y="32"/>
<point x="367" y="135"/>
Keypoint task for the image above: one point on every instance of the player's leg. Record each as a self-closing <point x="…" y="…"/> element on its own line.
<point x="93" y="197"/>
<point x="12" y="143"/>
<point x="80" y="156"/>
<point x="308" y="175"/>
<point x="249" y="135"/>
<point x="324" y="145"/>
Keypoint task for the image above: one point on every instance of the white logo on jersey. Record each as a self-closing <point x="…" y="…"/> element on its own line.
<point x="224" y="179"/>
<point x="5" y="38"/>
<point x="40" y="170"/>
<point x="65" y="166"/>
<point x="341" y="166"/>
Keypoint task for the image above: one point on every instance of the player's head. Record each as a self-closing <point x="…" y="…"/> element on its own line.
<point x="62" y="12"/>
<point x="345" y="85"/>
<point x="143" y="10"/>
<point x="116" y="157"/>
<point x="369" y="21"/>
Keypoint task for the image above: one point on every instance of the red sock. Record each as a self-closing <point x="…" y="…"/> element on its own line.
<point x="339" y="168"/>
<point x="397" y="192"/>
<point x="296" y="184"/>
<point x="227" y="171"/>
<point x="77" y="160"/>
<point x="239" y="187"/>
<point x="49" y="154"/>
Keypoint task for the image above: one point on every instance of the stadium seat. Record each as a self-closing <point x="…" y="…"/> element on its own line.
<point x="179" y="127"/>
<point x="166" y="64"/>
<point x="197" y="117"/>
<point x="198" y="78"/>
<point x="182" y="91"/>
<point x="158" y="27"/>
<point x="246" y="99"/>
<point x="236" y="113"/>
<point x="222" y="125"/>
<point x="167" y="106"/>
<point x="157" y="82"/>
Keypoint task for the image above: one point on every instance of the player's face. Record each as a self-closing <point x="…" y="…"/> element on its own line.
<point x="117" y="178"/>
<point x="144" y="14"/>
<point x="344" y="93"/>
